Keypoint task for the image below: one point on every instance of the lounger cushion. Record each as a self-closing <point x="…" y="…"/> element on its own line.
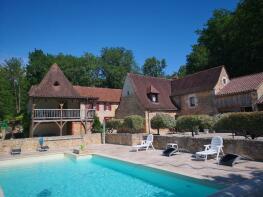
<point x="229" y="159"/>
<point x="169" y="152"/>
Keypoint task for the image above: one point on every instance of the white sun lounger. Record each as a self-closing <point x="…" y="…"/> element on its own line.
<point x="145" y="144"/>
<point x="215" y="148"/>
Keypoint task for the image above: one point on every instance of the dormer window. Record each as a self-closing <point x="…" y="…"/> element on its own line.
<point x="56" y="83"/>
<point x="153" y="97"/>
<point x="153" y="94"/>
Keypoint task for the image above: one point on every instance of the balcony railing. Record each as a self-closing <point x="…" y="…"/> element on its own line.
<point x="56" y="114"/>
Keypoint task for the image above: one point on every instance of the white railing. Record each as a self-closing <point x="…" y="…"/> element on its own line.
<point x="51" y="114"/>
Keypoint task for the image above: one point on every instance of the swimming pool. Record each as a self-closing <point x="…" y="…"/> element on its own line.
<point x="95" y="176"/>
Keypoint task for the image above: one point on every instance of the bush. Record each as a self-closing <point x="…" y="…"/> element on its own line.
<point x="132" y="124"/>
<point x="188" y="123"/>
<point x="97" y="126"/>
<point x="114" y="124"/>
<point x="241" y="123"/>
<point x="162" y="121"/>
<point x="206" y="122"/>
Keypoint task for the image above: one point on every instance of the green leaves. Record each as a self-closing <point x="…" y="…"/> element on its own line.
<point x="154" y="67"/>
<point x="233" y="39"/>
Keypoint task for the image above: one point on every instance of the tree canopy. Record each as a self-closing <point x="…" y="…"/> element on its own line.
<point x="154" y="67"/>
<point x="233" y="39"/>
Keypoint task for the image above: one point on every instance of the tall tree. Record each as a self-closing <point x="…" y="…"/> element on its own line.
<point x="116" y="62"/>
<point x="7" y="109"/>
<point x="233" y="39"/>
<point x="154" y="67"/>
<point x="15" y="74"/>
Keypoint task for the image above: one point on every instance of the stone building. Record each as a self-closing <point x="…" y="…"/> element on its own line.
<point x="145" y="96"/>
<point x="209" y="92"/>
<point x="241" y="94"/>
<point x="59" y="108"/>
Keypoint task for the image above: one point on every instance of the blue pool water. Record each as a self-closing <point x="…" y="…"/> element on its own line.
<point x="96" y="177"/>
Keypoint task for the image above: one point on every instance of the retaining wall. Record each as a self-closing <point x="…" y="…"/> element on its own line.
<point x="58" y="142"/>
<point x="249" y="148"/>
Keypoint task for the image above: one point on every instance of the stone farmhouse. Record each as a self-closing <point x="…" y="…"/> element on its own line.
<point x="206" y="92"/>
<point x="59" y="108"/>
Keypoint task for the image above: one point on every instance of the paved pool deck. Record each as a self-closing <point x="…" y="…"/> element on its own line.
<point x="182" y="163"/>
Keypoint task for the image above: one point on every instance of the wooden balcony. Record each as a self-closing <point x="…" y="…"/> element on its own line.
<point x="49" y="115"/>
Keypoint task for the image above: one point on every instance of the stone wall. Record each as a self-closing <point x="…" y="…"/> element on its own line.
<point x="249" y="148"/>
<point x="205" y="104"/>
<point x="124" y="138"/>
<point x="54" y="143"/>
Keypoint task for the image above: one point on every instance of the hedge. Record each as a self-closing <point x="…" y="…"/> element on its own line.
<point x="162" y="121"/>
<point x="241" y="123"/>
<point x="132" y="124"/>
<point x="114" y="124"/>
<point x="193" y="123"/>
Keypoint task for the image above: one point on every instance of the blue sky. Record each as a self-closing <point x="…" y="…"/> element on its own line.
<point x="161" y="28"/>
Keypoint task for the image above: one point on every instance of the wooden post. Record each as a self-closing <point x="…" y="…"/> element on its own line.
<point x="86" y="125"/>
<point x="61" y="124"/>
<point x="31" y="133"/>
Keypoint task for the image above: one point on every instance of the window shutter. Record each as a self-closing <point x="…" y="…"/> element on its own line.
<point x="98" y="107"/>
<point x="105" y="107"/>
<point x="109" y="106"/>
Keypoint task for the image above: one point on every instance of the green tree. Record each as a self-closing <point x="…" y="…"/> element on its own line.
<point x="117" y="62"/>
<point x="162" y="121"/>
<point x="7" y="109"/>
<point x="154" y="67"/>
<point x="233" y="39"/>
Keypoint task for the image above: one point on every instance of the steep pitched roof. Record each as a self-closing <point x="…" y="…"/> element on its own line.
<point x="197" y="82"/>
<point x="103" y="94"/>
<point x="161" y="86"/>
<point x="54" y="85"/>
<point x="242" y="84"/>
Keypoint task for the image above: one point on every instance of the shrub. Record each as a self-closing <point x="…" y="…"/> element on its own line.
<point x="97" y="126"/>
<point x="241" y="123"/>
<point x="206" y="122"/>
<point x="114" y="124"/>
<point x="188" y="123"/>
<point x="162" y="121"/>
<point x="132" y="124"/>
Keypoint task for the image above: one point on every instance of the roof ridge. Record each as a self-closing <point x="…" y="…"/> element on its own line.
<point x="97" y="87"/>
<point x="190" y="75"/>
<point x="145" y="76"/>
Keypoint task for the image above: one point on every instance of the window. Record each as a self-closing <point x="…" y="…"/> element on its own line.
<point x="153" y="97"/>
<point x="246" y="109"/>
<point x="192" y="101"/>
<point x="107" y="107"/>
<point x="56" y="83"/>
<point x="128" y="93"/>
<point x="98" y="107"/>
<point x="224" y="80"/>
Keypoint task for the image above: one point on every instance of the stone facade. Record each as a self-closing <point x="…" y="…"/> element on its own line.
<point x="54" y="143"/>
<point x="129" y="104"/>
<point x="205" y="100"/>
<point x="204" y="104"/>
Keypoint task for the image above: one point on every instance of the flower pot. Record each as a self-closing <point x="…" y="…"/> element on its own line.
<point x="206" y="131"/>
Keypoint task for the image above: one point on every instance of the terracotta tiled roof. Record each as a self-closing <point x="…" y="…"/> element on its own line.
<point x="242" y="84"/>
<point x="103" y="94"/>
<point x="197" y="82"/>
<point x="260" y="100"/>
<point x="162" y="86"/>
<point x="54" y="85"/>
